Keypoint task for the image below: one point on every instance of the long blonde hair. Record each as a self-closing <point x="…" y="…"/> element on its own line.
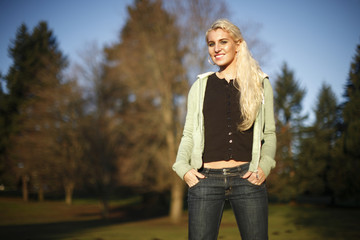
<point x="249" y="76"/>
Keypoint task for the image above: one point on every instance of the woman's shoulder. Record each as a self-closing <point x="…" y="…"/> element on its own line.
<point x="204" y="75"/>
<point x="199" y="83"/>
<point x="200" y="79"/>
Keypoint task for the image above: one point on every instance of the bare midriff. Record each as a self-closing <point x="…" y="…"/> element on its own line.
<point x="223" y="164"/>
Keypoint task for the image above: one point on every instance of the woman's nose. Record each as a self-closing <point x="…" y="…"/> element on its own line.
<point x="217" y="48"/>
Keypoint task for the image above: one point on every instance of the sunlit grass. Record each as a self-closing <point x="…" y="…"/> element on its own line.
<point x="82" y="221"/>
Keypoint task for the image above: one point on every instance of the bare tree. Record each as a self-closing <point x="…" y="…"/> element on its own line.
<point x="194" y="18"/>
<point x="260" y="49"/>
<point x="102" y="126"/>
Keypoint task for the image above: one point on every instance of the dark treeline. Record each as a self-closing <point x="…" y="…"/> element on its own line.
<point x="121" y="127"/>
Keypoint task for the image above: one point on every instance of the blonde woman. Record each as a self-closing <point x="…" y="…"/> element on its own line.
<point x="228" y="144"/>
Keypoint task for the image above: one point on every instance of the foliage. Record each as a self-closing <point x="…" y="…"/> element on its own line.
<point x="33" y="82"/>
<point x="41" y="114"/>
<point x="154" y="79"/>
<point x="288" y="96"/>
<point x="100" y="130"/>
<point x="345" y="180"/>
<point x="317" y="146"/>
<point x="351" y="111"/>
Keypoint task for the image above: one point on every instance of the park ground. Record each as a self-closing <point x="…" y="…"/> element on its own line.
<point x="129" y="220"/>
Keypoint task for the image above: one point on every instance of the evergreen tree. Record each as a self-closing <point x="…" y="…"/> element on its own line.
<point x="288" y="96"/>
<point x="5" y="122"/>
<point x="33" y="81"/>
<point x="317" y="146"/>
<point x="345" y="180"/>
<point x="351" y="111"/>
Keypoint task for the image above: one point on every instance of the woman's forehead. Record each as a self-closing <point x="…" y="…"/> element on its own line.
<point x="218" y="34"/>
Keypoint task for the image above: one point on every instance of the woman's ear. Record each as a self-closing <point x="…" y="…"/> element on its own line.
<point x="238" y="44"/>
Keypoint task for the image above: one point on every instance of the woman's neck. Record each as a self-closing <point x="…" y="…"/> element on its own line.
<point x="227" y="74"/>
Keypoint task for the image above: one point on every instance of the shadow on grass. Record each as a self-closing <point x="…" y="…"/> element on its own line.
<point x="60" y="230"/>
<point x="329" y="222"/>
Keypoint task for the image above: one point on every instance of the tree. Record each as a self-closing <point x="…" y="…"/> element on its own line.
<point x="194" y="18"/>
<point x="154" y="77"/>
<point x="5" y="121"/>
<point x="345" y="180"/>
<point x="316" y="151"/>
<point x="5" y="129"/>
<point x="9" y="104"/>
<point x="351" y="112"/>
<point x="33" y="82"/>
<point x="288" y="96"/>
<point x="101" y="125"/>
<point x="69" y="167"/>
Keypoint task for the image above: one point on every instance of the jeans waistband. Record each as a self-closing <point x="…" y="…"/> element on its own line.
<point x="225" y="171"/>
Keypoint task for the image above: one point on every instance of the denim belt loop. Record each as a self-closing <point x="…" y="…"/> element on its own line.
<point x="226" y="171"/>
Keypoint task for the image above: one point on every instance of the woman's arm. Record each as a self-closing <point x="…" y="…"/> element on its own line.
<point x="182" y="163"/>
<point x="268" y="148"/>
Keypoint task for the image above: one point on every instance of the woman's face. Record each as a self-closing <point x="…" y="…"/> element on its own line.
<point x="222" y="48"/>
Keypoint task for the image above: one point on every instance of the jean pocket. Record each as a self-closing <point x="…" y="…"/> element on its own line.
<point x="197" y="184"/>
<point x="254" y="185"/>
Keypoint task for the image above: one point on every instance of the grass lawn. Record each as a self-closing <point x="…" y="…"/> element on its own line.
<point x="81" y="221"/>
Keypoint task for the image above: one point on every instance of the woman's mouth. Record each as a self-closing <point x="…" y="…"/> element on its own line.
<point x="218" y="56"/>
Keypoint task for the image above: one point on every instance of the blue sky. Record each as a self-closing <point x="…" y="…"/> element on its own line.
<point x="317" y="38"/>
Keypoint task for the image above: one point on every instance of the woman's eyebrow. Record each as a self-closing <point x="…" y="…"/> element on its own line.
<point x="221" y="39"/>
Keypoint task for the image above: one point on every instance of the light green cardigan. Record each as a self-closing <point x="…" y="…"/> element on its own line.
<point x="191" y="147"/>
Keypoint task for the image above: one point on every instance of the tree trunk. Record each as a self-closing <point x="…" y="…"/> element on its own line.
<point x="105" y="209"/>
<point x="177" y="198"/>
<point x="177" y="187"/>
<point x="41" y="193"/>
<point x="25" y="191"/>
<point x="69" y="189"/>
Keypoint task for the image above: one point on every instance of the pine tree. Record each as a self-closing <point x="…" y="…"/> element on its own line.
<point x="288" y="96"/>
<point x="5" y="129"/>
<point x="345" y="180"/>
<point x="351" y="111"/>
<point x="317" y="146"/>
<point x="33" y="81"/>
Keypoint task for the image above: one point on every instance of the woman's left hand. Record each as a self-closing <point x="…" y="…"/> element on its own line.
<point x="256" y="178"/>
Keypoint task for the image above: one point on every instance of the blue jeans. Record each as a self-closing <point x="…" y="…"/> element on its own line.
<point x="206" y="202"/>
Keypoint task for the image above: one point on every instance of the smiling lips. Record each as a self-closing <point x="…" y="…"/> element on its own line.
<point x="217" y="56"/>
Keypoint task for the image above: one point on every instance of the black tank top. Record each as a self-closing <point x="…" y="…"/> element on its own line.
<point x="223" y="141"/>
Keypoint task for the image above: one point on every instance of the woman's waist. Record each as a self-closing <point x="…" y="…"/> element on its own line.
<point x="224" y="164"/>
<point x="239" y="169"/>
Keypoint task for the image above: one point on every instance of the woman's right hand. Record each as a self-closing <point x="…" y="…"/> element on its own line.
<point x="192" y="177"/>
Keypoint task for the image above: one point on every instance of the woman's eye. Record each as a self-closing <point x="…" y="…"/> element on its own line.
<point x="211" y="44"/>
<point x="224" y="42"/>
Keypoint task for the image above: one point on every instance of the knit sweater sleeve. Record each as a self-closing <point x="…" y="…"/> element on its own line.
<point x="182" y="164"/>
<point x="268" y="148"/>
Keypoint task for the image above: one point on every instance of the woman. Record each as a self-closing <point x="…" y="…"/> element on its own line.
<point x="228" y="144"/>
